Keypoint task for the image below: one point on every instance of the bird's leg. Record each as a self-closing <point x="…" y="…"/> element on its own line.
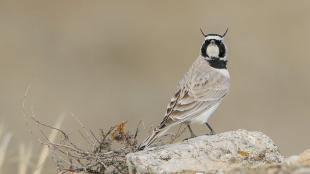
<point x="191" y="131"/>
<point x="210" y="128"/>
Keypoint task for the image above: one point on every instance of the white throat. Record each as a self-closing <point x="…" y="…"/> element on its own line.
<point x="213" y="51"/>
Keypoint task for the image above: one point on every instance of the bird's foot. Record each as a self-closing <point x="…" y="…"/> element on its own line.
<point x="210" y="133"/>
<point x="192" y="136"/>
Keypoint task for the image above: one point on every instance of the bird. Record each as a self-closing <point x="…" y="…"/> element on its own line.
<point x="199" y="92"/>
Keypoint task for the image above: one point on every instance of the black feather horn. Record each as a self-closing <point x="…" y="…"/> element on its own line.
<point x="202" y="33"/>
<point x="223" y="35"/>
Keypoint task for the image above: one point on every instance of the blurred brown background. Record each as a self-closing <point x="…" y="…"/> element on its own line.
<point x="109" y="61"/>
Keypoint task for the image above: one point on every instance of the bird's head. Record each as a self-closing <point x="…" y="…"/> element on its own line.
<point x="214" y="50"/>
<point x="213" y="46"/>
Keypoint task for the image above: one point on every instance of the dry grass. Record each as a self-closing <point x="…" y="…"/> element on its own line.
<point x="5" y="139"/>
<point x="25" y="152"/>
<point x="45" y="150"/>
<point x="106" y="151"/>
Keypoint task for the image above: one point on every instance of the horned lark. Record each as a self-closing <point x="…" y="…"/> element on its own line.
<point x="200" y="91"/>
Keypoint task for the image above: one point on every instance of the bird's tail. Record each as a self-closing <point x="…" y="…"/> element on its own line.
<point x="150" y="139"/>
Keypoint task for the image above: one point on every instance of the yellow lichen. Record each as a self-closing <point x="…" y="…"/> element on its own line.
<point x="243" y="153"/>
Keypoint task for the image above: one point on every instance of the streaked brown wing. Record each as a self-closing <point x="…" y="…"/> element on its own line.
<point x="199" y="93"/>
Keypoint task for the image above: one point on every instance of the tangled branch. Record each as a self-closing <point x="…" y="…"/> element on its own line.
<point x="107" y="153"/>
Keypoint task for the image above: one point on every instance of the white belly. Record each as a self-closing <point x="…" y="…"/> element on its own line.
<point x="203" y="118"/>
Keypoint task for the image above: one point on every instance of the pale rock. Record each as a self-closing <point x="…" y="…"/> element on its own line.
<point x="208" y="154"/>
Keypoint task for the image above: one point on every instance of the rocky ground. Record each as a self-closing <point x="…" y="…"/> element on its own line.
<point x="232" y="152"/>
